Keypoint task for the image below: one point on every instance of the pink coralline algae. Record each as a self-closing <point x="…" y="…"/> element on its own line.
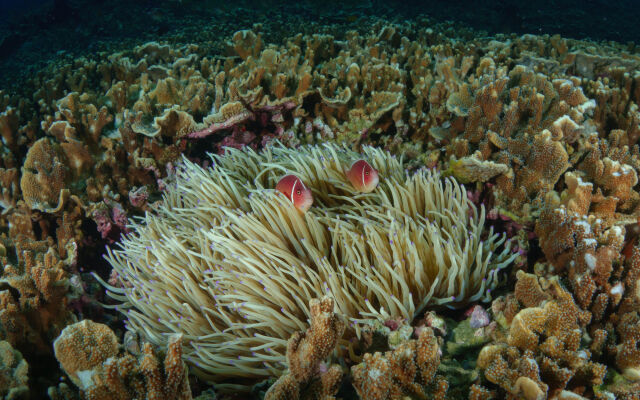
<point x="138" y="196"/>
<point x="111" y="221"/>
<point x="237" y="140"/>
<point x="248" y="123"/>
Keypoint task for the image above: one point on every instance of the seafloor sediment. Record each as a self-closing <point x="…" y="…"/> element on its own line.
<point x="227" y="291"/>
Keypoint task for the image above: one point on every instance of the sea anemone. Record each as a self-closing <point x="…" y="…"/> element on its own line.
<point x="230" y="263"/>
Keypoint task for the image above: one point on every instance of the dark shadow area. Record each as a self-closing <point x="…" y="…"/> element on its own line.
<point x="35" y="32"/>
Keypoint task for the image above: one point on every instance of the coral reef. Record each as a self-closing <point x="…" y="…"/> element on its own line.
<point x="541" y="131"/>
<point x="260" y="257"/>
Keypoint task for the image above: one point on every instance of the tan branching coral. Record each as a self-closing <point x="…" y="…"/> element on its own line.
<point x="307" y="378"/>
<point x="89" y="353"/>
<point x="9" y="123"/>
<point x="34" y="285"/>
<point x="543" y="356"/>
<point x="408" y="370"/>
<point x="246" y="43"/>
<point x="590" y="256"/>
<point x="228" y="262"/>
<point x="9" y="184"/>
<point x="13" y="373"/>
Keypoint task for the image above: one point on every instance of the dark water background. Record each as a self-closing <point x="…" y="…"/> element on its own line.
<point x="33" y="32"/>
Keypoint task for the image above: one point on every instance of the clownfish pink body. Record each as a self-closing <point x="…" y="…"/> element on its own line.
<point x="363" y="176"/>
<point x="296" y="191"/>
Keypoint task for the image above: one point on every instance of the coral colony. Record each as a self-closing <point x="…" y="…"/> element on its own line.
<point x="356" y="210"/>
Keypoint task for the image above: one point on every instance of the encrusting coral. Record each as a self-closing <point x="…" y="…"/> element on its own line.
<point x="229" y="262"/>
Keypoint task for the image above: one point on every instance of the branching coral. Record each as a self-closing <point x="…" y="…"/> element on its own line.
<point x="230" y="263"/>
<point x="308" y="378"/>
<point x="13" y="373"/>
<point x="409" y="369"/>
<point x="543" y="354"/>
<point x="89" y="353"/>
<point x="34" y="285"/>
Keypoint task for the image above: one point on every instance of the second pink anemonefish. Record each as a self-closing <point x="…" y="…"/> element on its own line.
<point x="363" y="176"/>
<point x="296" y="191"/>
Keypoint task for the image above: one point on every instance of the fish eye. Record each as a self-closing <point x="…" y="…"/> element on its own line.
<point x="366" y="173"/>
<point x="298" y="192"/>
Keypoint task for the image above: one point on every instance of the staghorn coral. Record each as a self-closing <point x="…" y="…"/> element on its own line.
<point x="260" y="258"/>
<point x="307" y="377"/>
<point x="89" y="353"/>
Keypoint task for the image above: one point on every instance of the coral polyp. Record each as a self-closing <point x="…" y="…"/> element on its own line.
<point x="231" y="264"/>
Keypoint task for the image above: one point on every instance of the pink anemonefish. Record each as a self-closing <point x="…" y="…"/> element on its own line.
<point x="296" y="191"/>
<point x="363" y="176"/>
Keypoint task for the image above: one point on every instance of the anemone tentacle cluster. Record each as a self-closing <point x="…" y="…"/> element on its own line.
<point x="230" y="263"/>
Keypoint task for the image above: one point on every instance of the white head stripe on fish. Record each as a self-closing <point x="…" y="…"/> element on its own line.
<point x="293" y="188"/>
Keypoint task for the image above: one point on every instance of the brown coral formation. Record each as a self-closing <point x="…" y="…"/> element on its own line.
<point x="14" y="371"/>
<point x="308" y="377"/>
<point x="542" y="355"/>
<point x="408" y="370"/>
<point x="34" y="285"/>
<point x="89" y="353"/>
<point x="604" y="278"/>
